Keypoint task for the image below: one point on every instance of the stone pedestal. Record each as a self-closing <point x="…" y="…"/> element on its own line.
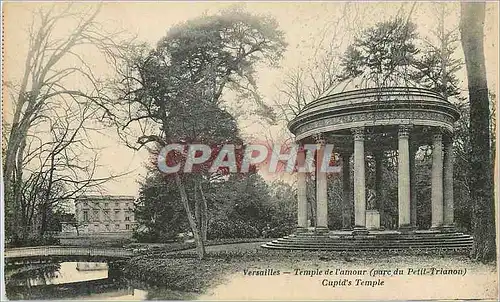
<point x="372" y="219"/>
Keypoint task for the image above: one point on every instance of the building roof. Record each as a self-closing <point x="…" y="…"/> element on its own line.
<point x="374" y="106"/>
<point x="105" y="197"/>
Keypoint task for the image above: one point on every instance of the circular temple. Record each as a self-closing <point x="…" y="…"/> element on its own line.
<point x="390" y="106"/>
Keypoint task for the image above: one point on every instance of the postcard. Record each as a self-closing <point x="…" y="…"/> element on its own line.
<point x="249" y="150"/>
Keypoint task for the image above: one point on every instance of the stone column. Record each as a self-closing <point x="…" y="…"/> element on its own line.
<point x="403" y="177"/>
<point x="346" y="191"/>
<point x="321" y="190"/>
<point x="413" y="185"/>
<point x="301" y="194"/>
<point x="437" y="181"/>
<point x="359" y="180"/>
<point x="379" y="157"/>
<point x="448" y="184"/>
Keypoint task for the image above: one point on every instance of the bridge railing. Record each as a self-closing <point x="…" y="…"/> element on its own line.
<point x="47" y="251"/>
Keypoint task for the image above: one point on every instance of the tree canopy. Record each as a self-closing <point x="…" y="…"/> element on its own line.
<point x="175" y="92"/>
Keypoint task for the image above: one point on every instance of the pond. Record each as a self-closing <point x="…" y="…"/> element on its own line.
<point x="80" y="281"/>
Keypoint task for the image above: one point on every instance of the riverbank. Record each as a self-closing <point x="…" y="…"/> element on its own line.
<point x="234" y="271"/>
<point x="177" y="267"/>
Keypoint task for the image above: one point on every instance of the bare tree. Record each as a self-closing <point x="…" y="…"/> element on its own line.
<point x="438" y="64"/>
<point x="40" y="104"/>
<point x="308" y="82"/>
<point x="60" y="165"/>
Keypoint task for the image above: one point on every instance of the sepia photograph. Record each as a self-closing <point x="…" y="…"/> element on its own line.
<point x="247" y="150"/>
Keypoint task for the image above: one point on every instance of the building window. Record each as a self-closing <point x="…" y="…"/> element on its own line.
<point x="117" y="204"/>
<point x="127" y="218"/>
<point x="85" y="216"/>
<point x="117" y="226"/>
<point x="106" y="214"/>
<point x="106" y="205"/>
<point x="107" y="227"/>
<point x="96" y="214"/>
<point x="127" y="227"/>
<point x="117" y="214"/>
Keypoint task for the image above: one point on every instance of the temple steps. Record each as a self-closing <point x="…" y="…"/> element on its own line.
<point x="382" y="241"/>
<point x="430" y="241"/>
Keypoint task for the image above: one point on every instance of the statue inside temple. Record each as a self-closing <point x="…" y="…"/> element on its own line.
<point x="371" y="199"/>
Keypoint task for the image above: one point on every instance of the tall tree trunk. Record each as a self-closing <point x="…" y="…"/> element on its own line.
<point x="45" y="201"/>
<point x="444" y="57"/>
<point x="204" y="214"/>
<point x="200" y="245"/>
<point x="197" y="207"/>
<point x="481" y="172"/>
<point x="14" y="154"/>
<point x="15" y="193"/>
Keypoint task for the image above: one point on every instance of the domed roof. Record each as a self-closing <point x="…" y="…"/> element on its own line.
<point x="374" y="106"/>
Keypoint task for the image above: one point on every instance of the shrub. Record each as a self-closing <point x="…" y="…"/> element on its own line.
<point x="33" y="240"/>
<point x="279" y="231"/>
<point x="219" y="229"/>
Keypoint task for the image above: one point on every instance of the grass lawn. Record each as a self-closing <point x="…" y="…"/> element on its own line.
<point x="286" y="275"/>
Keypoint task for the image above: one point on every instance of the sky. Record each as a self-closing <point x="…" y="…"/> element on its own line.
<point x="306" y="25"/>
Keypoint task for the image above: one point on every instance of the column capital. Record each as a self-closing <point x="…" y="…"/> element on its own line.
<point x="448" y="150"/>
<point x="404" y="131"/>
<point x="358" y="133"/>
<point x="319" y="138"/>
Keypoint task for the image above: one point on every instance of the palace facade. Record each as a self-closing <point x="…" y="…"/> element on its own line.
<point x="105" y="214"/>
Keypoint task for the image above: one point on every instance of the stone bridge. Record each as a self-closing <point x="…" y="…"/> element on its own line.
<point x="47" y="254"/>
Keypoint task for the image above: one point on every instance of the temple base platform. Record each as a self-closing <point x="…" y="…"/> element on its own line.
<point x="393" y="241"/>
